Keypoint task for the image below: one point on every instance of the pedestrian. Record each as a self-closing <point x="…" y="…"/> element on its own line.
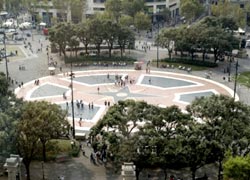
<point x="108" y="103"/>
<point x="108" y="75"/>
<point x="98" y="89"/>
<point x="149" y="80"/>
<point x="89" y="105"/>
<point x="22" y="84"/>
<point x="105" y="103"/>
<point x="64" y="96"/>
<point x="92" y="105"/>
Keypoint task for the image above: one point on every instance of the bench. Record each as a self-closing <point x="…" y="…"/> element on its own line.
<point x="62" y="158"/>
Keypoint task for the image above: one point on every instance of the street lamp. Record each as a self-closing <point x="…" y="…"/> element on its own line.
<point x="236" y="76"/>
<point x="158" y="29"/>
<point x="5" y="55"/>
<point x="72" y="101"/>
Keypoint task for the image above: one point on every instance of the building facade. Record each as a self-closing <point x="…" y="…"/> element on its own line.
<point x="47" y="11"/>
<point x="153" y="6"/>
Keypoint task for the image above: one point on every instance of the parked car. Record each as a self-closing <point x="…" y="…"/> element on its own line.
<point x="18" y="38"/>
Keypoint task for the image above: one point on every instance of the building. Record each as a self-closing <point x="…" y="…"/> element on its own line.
<point x="153" y="6"/>
<point x="47" y="12"/>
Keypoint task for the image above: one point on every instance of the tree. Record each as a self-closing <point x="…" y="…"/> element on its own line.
<point x="191" y="9"/>
<point x="110" y="34"/>
<point x="196" y="149"/>
<point x="39" y="122"/>
<point x="221" y="41"/>
<point x="72" y="39"/>
<point x="84" y="34"/>
<point x="226" y="23"/>
<point x="9" y="113"/>
<point x="132" y="7"/>
<point x="229" y="10"/>
<point x="124" y="34"/>
<point x="123" y="117"/>
<point x="237" y="168"/>
<point x="114" y="7"/>
<point x="96" y="28"/>
<point x="165" y="40"/>
<point x="60" y="35"/>
<point x="142" y="21"/>
<point x="148" y="146"/>
<point x="3" y="85"/>
<point x="126" y="20"/>
<point x="77" y="8"/>
<point x="163" y="130"/>
<point x="51" y="123"/>
<point x="226" y="124"/>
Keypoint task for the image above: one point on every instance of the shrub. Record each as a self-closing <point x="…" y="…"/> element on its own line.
<point x="190" y="62"/>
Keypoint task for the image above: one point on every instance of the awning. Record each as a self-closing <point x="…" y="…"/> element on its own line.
<point x="51" y="68"/>
<point x="42" y="24"/>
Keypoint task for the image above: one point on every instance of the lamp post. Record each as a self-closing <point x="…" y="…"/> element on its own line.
<point x="157" y="48"/>
<point x="236" y="76"/>
<point x="158" y="45"/>
<point x="5" y="55"/>
<point x="72" y="102"/>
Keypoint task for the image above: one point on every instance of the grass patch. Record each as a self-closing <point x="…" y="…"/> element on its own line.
<point x="177" y="64"/>
<point x="196" y="65"/>
<point x="13" y="48"/>
<point x="244" y="78"/>
<point x="58" y="147"/>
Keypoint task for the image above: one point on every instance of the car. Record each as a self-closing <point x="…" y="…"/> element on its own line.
<point x="10" y="30"/>
<point x="18" y="38"/>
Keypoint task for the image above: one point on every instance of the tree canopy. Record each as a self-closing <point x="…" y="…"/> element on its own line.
<point x="39" y="122"/>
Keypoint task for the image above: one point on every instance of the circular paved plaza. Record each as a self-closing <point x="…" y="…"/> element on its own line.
<point x="96" y="90"/>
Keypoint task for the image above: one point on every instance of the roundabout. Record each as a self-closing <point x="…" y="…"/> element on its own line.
<point x="96" y="90"/>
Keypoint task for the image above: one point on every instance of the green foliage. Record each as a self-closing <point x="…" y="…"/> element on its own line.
<point x="226" y="9"/>
<point x="191" y="62"/>
<point x="131" y="7"/>
<point x="142" y="21"/>
<point x="244" y="79"/>
<point x="114" y="7"/>
<point x="191" y="9"/>
<point x="170" y="139"/>
<point x="3" y="85"/>
<point x="237" y="168"/>
<point x="39" y="122"/>
<point x="213" y="35"/>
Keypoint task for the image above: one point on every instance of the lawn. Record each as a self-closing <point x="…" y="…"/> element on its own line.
<point x="176" y="65"/>
<point x="13" y="48"/>
<point x="59" y="148"/>
<point x="244" y="78"/>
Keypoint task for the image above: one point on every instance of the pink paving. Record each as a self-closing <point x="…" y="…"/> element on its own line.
<point x="154" y="95"/>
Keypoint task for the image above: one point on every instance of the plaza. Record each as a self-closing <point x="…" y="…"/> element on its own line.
<point x="96" y="90"/>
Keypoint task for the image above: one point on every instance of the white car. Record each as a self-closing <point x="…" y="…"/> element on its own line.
<point x="10" y="30"/>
